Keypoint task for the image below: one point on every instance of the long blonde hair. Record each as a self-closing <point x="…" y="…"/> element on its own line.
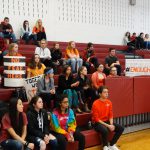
<point x="37" y="25"/>
<point x="69" y="45"/>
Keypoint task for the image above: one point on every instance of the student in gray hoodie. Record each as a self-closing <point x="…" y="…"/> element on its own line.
<point x="46" y="88"/>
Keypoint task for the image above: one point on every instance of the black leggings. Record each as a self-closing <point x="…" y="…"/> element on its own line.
<point x="105" y="131"/>
<point x="62" y="141"/>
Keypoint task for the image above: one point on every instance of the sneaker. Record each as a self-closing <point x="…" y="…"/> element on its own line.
<point x="114" y="147"/>
<point x="105" y="148"/>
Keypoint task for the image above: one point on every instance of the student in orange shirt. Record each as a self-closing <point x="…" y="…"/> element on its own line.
<point x="13" y="50"/>
<point x="102" y="118"/>
<point x="73" y="57"/>
<point x="39" y="31"/>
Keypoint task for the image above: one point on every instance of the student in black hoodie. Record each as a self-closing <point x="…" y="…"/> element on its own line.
<point x="38" y="125"/>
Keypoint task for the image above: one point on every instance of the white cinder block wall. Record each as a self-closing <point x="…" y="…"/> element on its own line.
<point x="98" y="21"/>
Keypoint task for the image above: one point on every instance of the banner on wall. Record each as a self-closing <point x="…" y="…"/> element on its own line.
<point x="30" y="85"/>
<point x="14" y="71"/>
<point x="137" y="67"/>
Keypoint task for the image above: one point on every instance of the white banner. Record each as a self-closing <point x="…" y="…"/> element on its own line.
<point x="137" y="67"/>
<point x="30" y="86"/>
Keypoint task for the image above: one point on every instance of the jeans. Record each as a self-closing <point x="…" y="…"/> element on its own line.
<point x="9" y="35"/>
<point x="105" y="131"/>
<point x="75" y="63"/>
<point x="11" y="144"/>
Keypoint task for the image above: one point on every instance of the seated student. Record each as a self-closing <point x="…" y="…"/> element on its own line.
<point x="35" y="67"/>
<point x="39" y="31"/>
<point x="73" y="57"/>
<point x="140" y="41"/>
<point x="84" y="87"/>
<point x="14" y="128"/>
<point x="45" y="87"/>
<point x="67" y="85"/>
<point x="102" y="119"/>
<point x="146" y="41"/>
<point x="126" y="38"/>
<point x="56" y="54"/>
<point x="6" y="30"/>
<point x="112" y="61"/>
<point x="113" y="72"/>
<point x="44" y="53"/>
<point x="38" y="125"/>
<point x="26" y="33"/>
<point x="89" y="57"/>
<point x="13" y="50"/>
<point x="63" y="124"/>
<point x="133" y="38"/>
<point x="97" y="78"/>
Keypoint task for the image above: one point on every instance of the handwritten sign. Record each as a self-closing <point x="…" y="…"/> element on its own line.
<point x="30" y="85"/>
<point x="14" y="71"/>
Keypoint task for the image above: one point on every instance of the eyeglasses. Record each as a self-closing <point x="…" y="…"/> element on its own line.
<point x="65" y="102"/>
<point x="43" y="43"/>
<point x="113" y="70"/>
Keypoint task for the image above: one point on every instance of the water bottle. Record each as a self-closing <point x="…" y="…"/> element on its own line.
<point x="89" y="125"/>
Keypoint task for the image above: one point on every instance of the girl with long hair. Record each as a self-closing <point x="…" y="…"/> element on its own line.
<point x="38" y="125"/>
<point x="14" y="127"/>
<point x="39" y="31"/>
<point x="13" y="50"/>
<point x="26" y="33"/>
<point x="73" y="57"/>
<point x="35" y="67"/>
<point x="67" y="85"/>
<point x="63" y="124"/>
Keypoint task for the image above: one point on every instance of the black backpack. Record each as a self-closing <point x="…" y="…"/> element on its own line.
<point x="20" y="93"/>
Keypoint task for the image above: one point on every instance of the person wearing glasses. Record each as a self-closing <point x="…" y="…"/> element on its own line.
<point x="113" y="72"/>
<point x="63" y="124"/>
<point x="44" y="53"/>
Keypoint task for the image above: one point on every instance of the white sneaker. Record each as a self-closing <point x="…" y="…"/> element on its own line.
<point x="105" y="148"/>
<point x="114" y="147"/>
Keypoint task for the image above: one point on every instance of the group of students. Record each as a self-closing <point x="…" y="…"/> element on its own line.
<point x="137" y="42"/>
<point x="36" y="34"/>
<point x="38" y="128"/>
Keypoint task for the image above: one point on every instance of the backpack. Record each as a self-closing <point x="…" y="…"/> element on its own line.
<point x="20" y="93"/>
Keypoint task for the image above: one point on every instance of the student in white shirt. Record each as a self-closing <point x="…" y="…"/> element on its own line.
<point x="44" y="53"/>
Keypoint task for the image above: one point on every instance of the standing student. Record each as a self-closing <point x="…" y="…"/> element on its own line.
<point x="14" y="128"/>
<point x="63" y="124"/>
<point x="38" y="125"/>
<point x="102" y="118"/>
